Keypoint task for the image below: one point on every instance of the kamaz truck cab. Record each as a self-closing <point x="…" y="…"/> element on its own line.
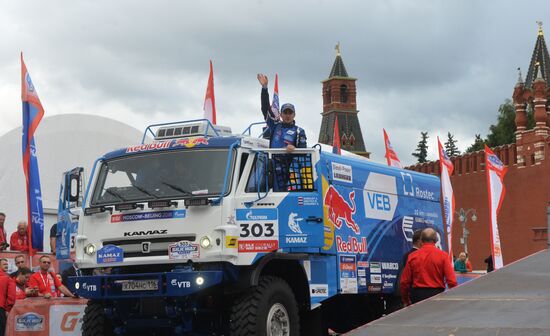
<point x="205" y="232"/>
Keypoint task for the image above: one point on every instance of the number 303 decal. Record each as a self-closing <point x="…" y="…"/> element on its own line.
<point x="257" y="230"/>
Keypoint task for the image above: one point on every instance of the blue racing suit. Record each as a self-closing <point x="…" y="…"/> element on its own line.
<point x="280" y="134"/>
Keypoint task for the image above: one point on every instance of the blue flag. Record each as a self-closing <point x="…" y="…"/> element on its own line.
<point x="32" y="114"/>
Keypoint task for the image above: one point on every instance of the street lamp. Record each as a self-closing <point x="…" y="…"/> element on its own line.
<point x="463" y="218"/>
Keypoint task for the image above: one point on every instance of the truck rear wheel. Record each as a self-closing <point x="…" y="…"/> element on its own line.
<point x="268" y="309"/>
<point x="95" y="323"/>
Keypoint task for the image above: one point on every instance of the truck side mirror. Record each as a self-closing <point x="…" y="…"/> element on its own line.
<point x="75" y="189"/>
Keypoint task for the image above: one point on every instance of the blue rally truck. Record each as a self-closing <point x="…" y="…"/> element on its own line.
<point x="199" y="231"/>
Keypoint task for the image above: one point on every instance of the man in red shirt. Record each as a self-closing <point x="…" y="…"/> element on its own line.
<point x="46" y="281"/>
<point x="7" y="300"/>
<point x="20" y="281"/>
<point x="18" y="239"/>
<point x="3" y="236"/>
<point x="426" y="271"/>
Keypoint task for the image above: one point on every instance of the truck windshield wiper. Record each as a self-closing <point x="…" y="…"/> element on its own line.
<point x="116" y="194"/>
<point x="177" y="188"/>
<point x="145" y="191"/>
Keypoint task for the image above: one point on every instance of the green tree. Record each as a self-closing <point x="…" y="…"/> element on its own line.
<point x="421" y="152"/>
<point x="479" y="144"/>
<point x="450" y="146"/>
<point x="503" y="132"/>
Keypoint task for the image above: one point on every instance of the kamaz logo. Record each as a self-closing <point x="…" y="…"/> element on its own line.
<point x="145" y="233"/>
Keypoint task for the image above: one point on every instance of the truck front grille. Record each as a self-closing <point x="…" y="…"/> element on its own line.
<point x="158" y="246"/>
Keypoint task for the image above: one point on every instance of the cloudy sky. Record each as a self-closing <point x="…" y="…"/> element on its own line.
<point x="433" y="66"/>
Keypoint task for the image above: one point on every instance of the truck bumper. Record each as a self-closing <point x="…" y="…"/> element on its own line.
<point x="167" y="284"/>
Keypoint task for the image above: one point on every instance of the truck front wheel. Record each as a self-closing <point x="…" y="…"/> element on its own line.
<point x="95" y="323"/>
<point x="268" y="309"/>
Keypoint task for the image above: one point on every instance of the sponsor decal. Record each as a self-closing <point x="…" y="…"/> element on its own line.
<point x="29" y="322"/>
<point x="180" y="283"/>
<point x="362" y="281"/>
<point x="144" y="233"/>
<point x="339" y="210"/>
<point x="389" y="276"/>
<point x="110" y="254"/>
<point x="342" y="172"/>
<point x="190" y="142"/>
<point x="361" y="272"/>
<point x="375" y="267"/>
<point x="380" y="196"/>
<point x="348" y="274"/>
<point x="351" y="245"/>
<point x="293" y="223"/>
<point x="255" y="246"/>
<point x="308" y="200"/>
<point x="147" y="147"/>
<point x="387" y="284"/>
<point x="66" y="319"/>
<point x="425" y="194"/>
<point x="376" y="278"/>
<point x="374" y="288"/>
<point x="318" y="290"/>
<point x="183" y="250"/>
<point x="256" y="214"/>
<point x="363" y="264"/>
<point x="87" y="287"/>
<point x="408" y="189"/>
<point x="231" y="220"/>
<point x="407" y="227"/>
<point x="255" y="143"/>
<point x="231" y="241"/>
<point x="147" y="216"/>
<point x="390" y="266"/>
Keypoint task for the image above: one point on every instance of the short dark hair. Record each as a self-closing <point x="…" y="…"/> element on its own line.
<point x="416" y="236"/>
<point x="2" y="214"/>
<point x="19" y="256"/>
<point x="4" y="259"/>
<point x="23" y="271"/>
<point x="429" y="235"/>
<point x="44" y="256"/>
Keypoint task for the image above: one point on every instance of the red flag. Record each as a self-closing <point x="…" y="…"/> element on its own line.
<point x="495" y="171"/>
<point x="336" y="139"/>
<point x="446" y="167"/>
<point x="275" y="103"/>
<point x="209" y="100"/>
<point x="391" y="156"/>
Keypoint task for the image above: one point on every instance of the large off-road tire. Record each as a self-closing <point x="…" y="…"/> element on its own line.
<point x="268" y="309"/>
<point x="95" y="323"/>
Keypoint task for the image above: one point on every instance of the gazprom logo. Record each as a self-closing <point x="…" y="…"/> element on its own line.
<point x="256" y="214"/>
<point x="380" y="196"/>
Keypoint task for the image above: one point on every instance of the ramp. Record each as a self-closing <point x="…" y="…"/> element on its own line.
<point x="514" y="300"/>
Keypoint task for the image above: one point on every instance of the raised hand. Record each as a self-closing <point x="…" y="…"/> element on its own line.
<point x="262" y="79"/>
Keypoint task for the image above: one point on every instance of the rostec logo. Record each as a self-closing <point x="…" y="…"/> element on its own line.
<point x="380" y="196"/>
<point x="339" y="210"/>
<point x="69" y="321"/>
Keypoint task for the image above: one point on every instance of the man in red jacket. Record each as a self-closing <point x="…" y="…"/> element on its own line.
<point x="20" y="281"/>
<point x="19" y="240"/>
<point x="7" y="300"/>
<point x="46" y="281"/>
<point x="3" y="236"/>
<point x="426" y="271"/>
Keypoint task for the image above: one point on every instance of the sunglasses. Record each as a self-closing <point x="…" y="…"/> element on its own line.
<point x="46" y="262"/>
<point x="19" y="262"/>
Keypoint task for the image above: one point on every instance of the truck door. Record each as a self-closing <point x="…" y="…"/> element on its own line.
<point x="70" y="204"/>
<point x="282" y="203"/>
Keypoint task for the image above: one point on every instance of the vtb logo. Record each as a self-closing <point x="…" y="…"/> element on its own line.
<point x="69" y="321"/>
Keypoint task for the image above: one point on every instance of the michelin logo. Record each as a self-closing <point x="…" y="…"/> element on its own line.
<point x="380" y="196"/>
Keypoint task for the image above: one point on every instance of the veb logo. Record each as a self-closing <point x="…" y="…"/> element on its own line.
<point x="380" y="196"/>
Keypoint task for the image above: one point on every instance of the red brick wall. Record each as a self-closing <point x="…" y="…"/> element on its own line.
<point x="522" y="213"/>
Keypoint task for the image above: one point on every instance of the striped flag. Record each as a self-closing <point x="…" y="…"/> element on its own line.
<point x="495" y="171"/>
<point x="391" y="156"/>
<point x="336" y="138"/>
<point x="209" y="100"/>
<point x="275" y="102"/>
<point x="446" y="167"/>
<point x="32" y="114"/>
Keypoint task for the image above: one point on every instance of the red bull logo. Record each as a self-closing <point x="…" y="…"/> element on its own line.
<point x="146" y="147"/>
<point x="190" y="142"/>
<point x="351" y="245"/>
<point x="339" y="210"/>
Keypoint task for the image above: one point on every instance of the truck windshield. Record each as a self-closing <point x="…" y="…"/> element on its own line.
<point x="164" y="175"/>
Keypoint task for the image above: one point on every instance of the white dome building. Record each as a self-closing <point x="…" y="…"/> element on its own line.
<point x="62" y="143"/>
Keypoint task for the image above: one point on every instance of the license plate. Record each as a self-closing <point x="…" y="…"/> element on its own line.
<point x="139" y="285"/>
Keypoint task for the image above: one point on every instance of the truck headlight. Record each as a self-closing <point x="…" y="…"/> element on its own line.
<point x="89" y="249"/>
<point x="199" y="280"/>
<point x="205" y="242"/>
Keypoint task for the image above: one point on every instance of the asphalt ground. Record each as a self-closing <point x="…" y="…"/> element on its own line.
<point x="514" y="300"/>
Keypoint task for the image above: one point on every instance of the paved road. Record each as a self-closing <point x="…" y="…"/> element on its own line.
<point x="514" y="300"/>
